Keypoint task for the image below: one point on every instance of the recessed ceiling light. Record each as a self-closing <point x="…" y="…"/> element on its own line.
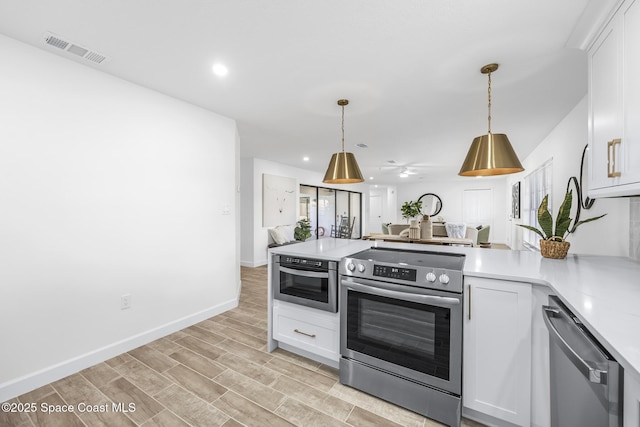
<point x="306" y="159"/>
<point x="220" y="70"/>
<point x="404" y="175"/>
<point x="370" y="177"/>
<point x="362" y="145"/>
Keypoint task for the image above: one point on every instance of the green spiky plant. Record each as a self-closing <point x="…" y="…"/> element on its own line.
<point x="562" y="223"/>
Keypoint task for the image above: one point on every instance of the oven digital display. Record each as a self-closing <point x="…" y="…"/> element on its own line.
<point x="394" y="272"/>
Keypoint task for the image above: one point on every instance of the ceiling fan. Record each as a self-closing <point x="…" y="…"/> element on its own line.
<point x="408" y="169"/>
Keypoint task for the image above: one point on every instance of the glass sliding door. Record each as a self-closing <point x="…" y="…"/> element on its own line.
<point x="326" y="210"/>
<point x="343" y="219"/>
<point x="309" y="206"/>
<point x="355" y="213"/>
<point x="332" y="213"/>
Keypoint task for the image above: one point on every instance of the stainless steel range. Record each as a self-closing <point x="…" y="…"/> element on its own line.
<point x="401" y="329"/>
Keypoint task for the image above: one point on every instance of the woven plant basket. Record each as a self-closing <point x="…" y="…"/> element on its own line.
<point x="552" y="249"/>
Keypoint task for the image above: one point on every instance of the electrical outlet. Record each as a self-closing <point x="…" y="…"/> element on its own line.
<point x="125" y="301"/>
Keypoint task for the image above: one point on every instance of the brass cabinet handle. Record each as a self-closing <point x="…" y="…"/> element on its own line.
<point x="469" y="311"/>
<point x="304" y="333"/>
<point x="611" y="158"/>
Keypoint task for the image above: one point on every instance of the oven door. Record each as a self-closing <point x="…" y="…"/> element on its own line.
<point x="316" y="288"/>
<point x="412" y="332"/>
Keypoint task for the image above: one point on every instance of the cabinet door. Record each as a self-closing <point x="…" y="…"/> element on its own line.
<point x="605" y="107"/>
<point x="631" y="401"/>
<point x="497" y="349"/>
<point x="313" y="331"/>
<point x="630" y="17"/>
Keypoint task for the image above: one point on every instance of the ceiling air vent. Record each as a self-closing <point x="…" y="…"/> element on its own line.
<point x="68" y="46"/>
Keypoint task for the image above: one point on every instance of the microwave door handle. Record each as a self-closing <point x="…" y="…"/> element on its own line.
<point x="585" y="367"/>
<point x="304" y="273"/>
<point x="419" y="298"/>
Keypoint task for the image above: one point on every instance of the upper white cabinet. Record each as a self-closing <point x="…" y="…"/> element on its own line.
<point x="614" y="105"/>
<point x="497" y="349"/>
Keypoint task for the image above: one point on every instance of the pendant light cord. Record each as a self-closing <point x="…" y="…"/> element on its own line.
<point x="489" y="97"/>
<point x="343" y="128"/>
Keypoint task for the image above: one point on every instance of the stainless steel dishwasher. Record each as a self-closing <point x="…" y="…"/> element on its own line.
<point x="586" y="381"/>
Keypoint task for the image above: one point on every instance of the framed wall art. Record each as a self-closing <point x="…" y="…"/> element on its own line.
<point x="515" y="200"/>
<point x="278" y="200"/>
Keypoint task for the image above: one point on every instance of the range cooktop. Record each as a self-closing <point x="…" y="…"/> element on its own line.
<point x="426" y="269"/>
<point x="413" y="258"/>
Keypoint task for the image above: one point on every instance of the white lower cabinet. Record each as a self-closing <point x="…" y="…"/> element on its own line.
<point x="631" y="401"/>
<point x="313" y="331"/>
<point x="497" y="349"/>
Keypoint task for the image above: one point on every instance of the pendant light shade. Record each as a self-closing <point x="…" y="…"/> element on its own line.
<point x="490" y="154"/>
<point x="343" y="168"/>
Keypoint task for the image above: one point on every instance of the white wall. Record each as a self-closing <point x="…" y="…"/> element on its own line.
<point x="606" y="236"/>
<point x="106" y="189"/>
<point x="254" y="237"/>
<point x="389" y="199"/>
<point x="451" y="193"/>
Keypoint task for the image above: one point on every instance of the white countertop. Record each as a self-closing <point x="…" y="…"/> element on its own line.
<point x="604" y="292"/>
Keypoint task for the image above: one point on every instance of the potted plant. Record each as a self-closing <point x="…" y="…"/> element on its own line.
<point x="553" y="243"/>
<point x="303" y="230"/>
<point x="411" y="209"/>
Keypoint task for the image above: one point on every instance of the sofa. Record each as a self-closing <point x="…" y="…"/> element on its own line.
<point x="478" y="234"/>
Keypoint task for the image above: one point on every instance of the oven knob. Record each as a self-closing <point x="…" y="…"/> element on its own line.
<point x="444" y="279"/>
<point x="431" y="277"/>
<point x="351" y="266"/>
<point x="361" y="268"/>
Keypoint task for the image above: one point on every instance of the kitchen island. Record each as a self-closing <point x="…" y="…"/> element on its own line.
<point x="602" y="291"/>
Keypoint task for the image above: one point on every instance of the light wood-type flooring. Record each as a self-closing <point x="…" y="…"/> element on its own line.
<point x="215" y="373"/>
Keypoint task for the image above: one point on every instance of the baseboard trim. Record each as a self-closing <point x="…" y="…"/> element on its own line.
<point x="253" y="264"/>
<point x="27" y="383"/>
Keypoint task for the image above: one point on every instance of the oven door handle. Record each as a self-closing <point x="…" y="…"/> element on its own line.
<point x="304" y="273"/>
<point x="405" y="296"/>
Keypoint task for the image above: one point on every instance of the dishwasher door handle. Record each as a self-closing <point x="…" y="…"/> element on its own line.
<point x="587" y="368"/>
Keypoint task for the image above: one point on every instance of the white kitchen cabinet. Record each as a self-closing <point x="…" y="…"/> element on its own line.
<point x="315" y="332"/>
<point x="631" y="401"/>
<point x="497" y="349"/>
<point x="614" y="105"/>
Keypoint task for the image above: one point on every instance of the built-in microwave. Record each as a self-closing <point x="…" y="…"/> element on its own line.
<point x="309" y="282"/>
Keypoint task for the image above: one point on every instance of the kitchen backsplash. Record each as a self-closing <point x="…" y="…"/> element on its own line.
<point x="634" y="228"/>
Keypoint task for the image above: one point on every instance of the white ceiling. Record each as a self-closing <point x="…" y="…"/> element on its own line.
<point x="410" y="68"/>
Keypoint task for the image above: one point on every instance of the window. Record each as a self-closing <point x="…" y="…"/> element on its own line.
<point x="536" y="185"/>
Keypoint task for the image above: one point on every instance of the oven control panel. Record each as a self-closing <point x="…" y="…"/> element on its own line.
<point x="401" y="273"/>
<point x="303" y="262"/>
<point x="426" y="277"/>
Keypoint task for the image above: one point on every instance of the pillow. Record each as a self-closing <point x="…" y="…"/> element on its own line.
<point x="287" y="231"/>
<point x="479" y="227"/>
<point x="456" y="229"/>
<point x="278" y="236"/>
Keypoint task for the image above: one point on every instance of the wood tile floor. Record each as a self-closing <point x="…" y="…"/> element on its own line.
<point x="215" y="373"/>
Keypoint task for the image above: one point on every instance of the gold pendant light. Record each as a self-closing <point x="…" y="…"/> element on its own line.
<point x="490" y="154"/>
<point x="343" y="168"/>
